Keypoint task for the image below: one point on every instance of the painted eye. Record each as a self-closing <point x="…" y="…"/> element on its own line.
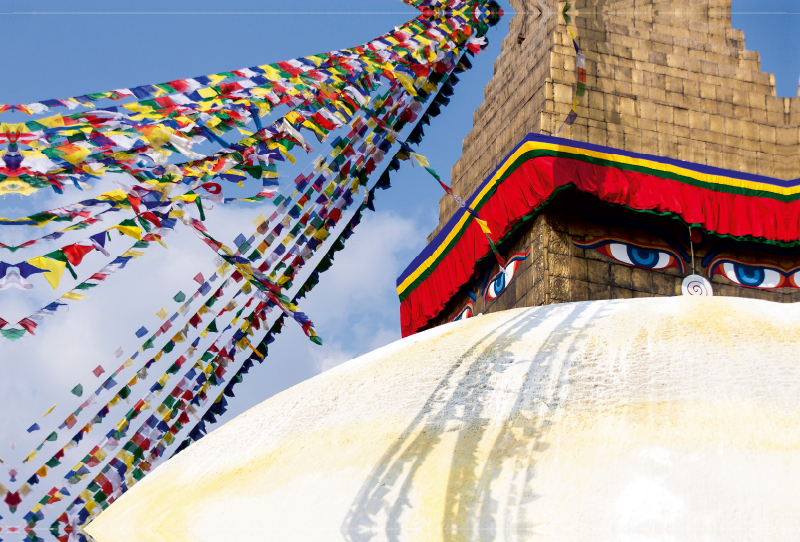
<point x="635" y="254"/>
<point x="500" y="281"/>
<point x="466" y="312"/>
<point x="647" y="258"/>
<point x="751" y="276"/>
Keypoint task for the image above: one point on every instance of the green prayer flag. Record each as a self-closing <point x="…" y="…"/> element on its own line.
<point x="435" y="175"/>
<point x="78" y="390"/>
<point x="179" y="297"/>
<point x="52" y="436"/>
<point x="12" y="334"/>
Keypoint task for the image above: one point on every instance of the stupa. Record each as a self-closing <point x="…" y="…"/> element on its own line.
<point x="623" y="419"/>
<point x="557" y="379"/>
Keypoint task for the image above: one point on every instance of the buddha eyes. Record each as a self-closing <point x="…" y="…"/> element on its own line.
<point x="467" y="312"/>
<point x="634" y="254"/>
<point x="646" y="256"/>
<point x="754" y="275"/>
<point x="500" y="281"/>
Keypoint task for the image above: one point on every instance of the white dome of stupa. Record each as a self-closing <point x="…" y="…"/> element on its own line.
<point x="636" y="420"/>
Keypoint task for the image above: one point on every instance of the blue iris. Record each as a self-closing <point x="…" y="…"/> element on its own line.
<point x="748" y="275"/>
<point x="499" y="284"/>
<point x="642" y="256"/>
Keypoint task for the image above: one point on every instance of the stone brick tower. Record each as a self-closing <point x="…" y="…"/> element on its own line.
<point x="670" y="78"/>
<point x="664" y="77"/>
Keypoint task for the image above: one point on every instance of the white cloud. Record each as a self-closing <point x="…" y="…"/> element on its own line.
<point x="355" y="308"/>
<point x="361" y="281"/>
<point x="329" y="357"/>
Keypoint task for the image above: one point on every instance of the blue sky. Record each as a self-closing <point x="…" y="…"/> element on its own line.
<point x="770" y="27"/>
<point x="62" y="48"/>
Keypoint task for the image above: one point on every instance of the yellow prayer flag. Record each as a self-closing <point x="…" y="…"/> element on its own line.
<point x="484" y="226"/>
<point x="74" y="154"/>
<point x="49" y="410"/>
<point x="56" y="121"/>
<point x="271" y="73"/>
<point x="162" y="313"/>
<point x="126" y="457"/>
<point x="206" y="92"/>
<point x="157" y="136"/>
<point x="421" y="159"/>
<point x="74" y="296"/>
<point x="133" y="231"/>
<point x="132" y="254"/>
<point x="292" y="117"/>
<point x="53" y="267"/>
<point x="407" y="82"/>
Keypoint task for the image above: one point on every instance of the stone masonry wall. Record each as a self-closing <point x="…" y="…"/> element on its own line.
<point x="663" y="77"/>
<point x="557" y="271"/>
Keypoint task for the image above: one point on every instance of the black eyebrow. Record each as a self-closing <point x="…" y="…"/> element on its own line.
<point x="729" y="245"/>
<point x="664" y="235"/>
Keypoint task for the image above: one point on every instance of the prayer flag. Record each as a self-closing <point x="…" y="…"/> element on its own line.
<point x="484" y="226"/>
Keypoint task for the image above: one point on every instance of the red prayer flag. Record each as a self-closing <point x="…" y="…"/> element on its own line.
<point x="76" y="252"/>
<point x="28" y="324"/>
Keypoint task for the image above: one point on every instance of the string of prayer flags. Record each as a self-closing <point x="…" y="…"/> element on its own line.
<point x="481" y="223"/>
<point x="580" y="65"/>
<point x="373" y="90"/>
